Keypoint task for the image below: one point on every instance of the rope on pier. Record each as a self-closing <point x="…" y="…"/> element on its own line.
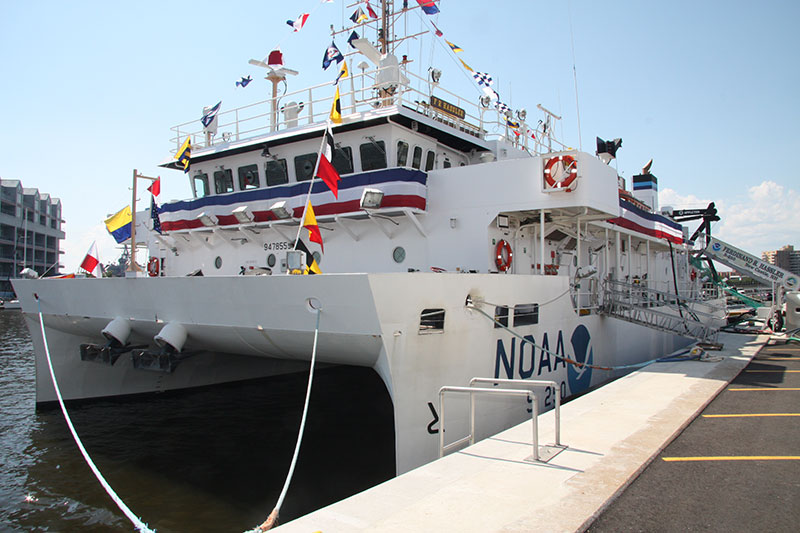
<point x="271" y="520"/>
<point x="560" y="357"/>
<point x="137" y="523"/>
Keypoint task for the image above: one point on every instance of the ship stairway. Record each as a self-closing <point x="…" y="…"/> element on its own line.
<point x="659" y="310"/>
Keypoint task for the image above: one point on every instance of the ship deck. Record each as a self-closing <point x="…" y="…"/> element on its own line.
<point x="616" y="466"/>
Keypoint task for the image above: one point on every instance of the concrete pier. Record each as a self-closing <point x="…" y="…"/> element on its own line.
<point x="612" y="434"/>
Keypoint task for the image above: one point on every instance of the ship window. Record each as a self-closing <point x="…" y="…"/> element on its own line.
<point x="526" y="314"/>
<point x="373" y="155"/>
<point x="223" y="181"/>
<point x="402" y="153"/>
<point x="276" y="172"/>
<point x="304" y="166"/>
<point x="248" y="177"/>
<point x="416" y="162"/>
<point x="343" y="160"/>
<point x="446" y="163"/>
<point x="200" y="183"/>
<point x="430" y="159"/>
<point x="501" y="316"/>
<point x="431" y="321"/>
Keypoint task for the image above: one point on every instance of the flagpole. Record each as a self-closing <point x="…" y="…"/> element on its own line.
<point x="133" y="267"/>
<point x="310" y="185"/>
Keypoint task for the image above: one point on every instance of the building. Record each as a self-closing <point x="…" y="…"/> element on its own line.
<point x="30" y="233"/>
<point x="786" y="258"/>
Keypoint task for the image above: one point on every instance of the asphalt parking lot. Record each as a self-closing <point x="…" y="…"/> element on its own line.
<point x="736" y="467"/>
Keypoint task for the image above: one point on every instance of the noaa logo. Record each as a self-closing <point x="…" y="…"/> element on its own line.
<point x="716" y="247"/>
<point x="580" y="377"/>
<point x="791" y="282"/>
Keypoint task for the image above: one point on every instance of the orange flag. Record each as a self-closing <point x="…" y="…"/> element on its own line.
<point x="310" y="223"/>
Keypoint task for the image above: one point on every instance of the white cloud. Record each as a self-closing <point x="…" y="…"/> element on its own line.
<point x="767" y="219"/>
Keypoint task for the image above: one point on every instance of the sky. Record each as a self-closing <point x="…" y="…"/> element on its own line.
<point x="706" y="88"/>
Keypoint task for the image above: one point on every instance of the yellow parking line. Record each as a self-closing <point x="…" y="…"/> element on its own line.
<point x="772" y="370"/>
<point x="764" y="389"/>
<point x="736" y="458"/>
<point x="745" y="415"/>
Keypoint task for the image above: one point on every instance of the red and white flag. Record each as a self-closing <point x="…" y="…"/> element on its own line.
<point x="298" y="23"/>
<point x="326" y="171"/>
<point x="91" y="263"/>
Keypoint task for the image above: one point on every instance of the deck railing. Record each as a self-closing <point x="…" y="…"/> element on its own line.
<point x="359" y="92"/>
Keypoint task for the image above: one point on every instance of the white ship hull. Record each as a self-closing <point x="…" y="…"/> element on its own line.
<point x="262" y="326"/>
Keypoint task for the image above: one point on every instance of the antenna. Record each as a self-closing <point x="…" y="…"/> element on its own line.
<point x="276" y="73"/>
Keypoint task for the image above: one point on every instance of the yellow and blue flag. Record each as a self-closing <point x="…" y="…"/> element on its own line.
<point x="184" y="154"/>
<point x="119" y="224"/>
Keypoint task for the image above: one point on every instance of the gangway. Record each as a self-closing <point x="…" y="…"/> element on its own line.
<point x="657" y="310"/>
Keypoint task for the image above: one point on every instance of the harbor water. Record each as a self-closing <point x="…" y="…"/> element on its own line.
<point x="213" y="459"/>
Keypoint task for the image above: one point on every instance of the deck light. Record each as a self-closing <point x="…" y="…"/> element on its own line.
<point x="371" y="198"/>
<point x="279" y="210"/>
<point x="243" y="215"/>
<point x="207" y="220"/>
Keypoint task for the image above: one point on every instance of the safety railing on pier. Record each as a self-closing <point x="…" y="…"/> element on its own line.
<point x="313" y="104"/>
<point x="527" y="391"/>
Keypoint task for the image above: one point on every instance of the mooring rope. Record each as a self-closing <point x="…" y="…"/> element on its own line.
<point x="137" y="523"/>
<point x="269" y="523"/>
<point x="560" y="357"/>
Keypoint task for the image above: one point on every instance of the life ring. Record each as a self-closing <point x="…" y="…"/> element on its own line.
<point x="503" y="255"/>
<point x="569" y="164"/>
<point x="153" y="267"/>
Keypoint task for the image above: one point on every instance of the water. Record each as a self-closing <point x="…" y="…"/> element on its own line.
<point x="204" y="460"/>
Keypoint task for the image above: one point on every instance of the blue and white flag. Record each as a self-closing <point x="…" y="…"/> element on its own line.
<point x="209" y="114"/>
<point x="353" y="37"/>
<point x="331" y="54"/>
<point x="244" y="82"/>
<point x="502" y="108"/>
<point x="483" y="79"/>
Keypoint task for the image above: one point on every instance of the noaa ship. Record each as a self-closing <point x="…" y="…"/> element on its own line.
<point x="457" y="229"/>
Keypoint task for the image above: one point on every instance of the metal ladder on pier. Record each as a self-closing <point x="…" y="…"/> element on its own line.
<point x="655" y="309"/>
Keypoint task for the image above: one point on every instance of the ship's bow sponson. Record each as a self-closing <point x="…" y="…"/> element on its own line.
<point x="219" y="322"/>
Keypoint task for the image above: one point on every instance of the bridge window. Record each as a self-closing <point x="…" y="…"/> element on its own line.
<point x="343" y="160"/>
<point x="526" y="314"/>
<point x="200" y="184"/>
<point x="223" y="181"/>
<point x="416" y="161"/>
<point x="431" y="321"/>
<point x="276" y="172"/>
<point x="248" y="177"/>
<point x="402" y="153"/>
<point x="501" y="316"/>
<point x="304" y="166"/>
<point x="373" y="155"/>
<point x="430" y="160"/>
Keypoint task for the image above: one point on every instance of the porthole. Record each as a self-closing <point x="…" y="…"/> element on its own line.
<point x="399" y="254"/>
<point x="271" y="260"/>
<point x="218" y="262"/>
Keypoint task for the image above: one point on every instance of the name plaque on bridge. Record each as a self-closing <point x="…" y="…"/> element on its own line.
<point x="447" y="108"/>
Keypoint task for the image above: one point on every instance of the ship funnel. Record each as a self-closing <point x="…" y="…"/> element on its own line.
<point x="118" y="330"/>
<point x="172" y="336"/>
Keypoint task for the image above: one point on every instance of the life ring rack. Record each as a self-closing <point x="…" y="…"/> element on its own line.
<point x="154" y="267"/>
<point x="504" y="255"/>
<point x="569" y="164"/>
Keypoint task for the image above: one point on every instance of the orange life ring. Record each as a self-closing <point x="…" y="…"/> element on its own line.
<point x="569" y="164"/>
<point x="153" y="267"/>
<point x="503" y="255"/>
